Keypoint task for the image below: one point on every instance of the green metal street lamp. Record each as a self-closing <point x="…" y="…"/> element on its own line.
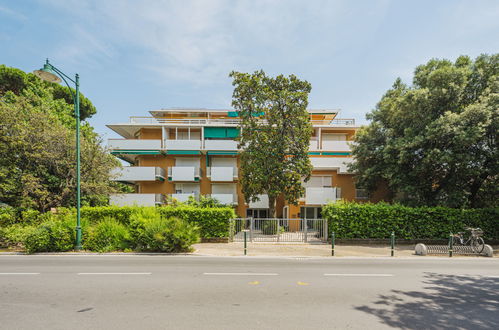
<point x="51" y="74"/>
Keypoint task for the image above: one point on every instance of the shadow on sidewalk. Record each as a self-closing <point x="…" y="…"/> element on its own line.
<point x="448" y="302"/>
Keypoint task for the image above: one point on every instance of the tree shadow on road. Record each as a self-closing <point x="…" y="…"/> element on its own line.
<point x="447" y="301"/>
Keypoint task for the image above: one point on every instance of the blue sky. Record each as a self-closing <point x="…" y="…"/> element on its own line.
<point x="135" y="56"/>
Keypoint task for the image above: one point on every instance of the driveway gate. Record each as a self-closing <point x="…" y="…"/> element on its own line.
<point x="279" y="230"/>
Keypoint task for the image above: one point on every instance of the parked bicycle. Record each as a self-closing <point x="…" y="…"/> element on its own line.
<point x="475" y="239"/>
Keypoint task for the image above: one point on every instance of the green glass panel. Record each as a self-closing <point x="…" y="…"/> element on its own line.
<point x="232" y="132"/>
<point x="215" y="132"/>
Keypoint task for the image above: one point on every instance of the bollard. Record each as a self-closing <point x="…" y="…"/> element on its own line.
<point x="332" y="244"/>
<point x="245" y="241"/>
<point x="392" y="242"/>
<point x="451" y="244"/>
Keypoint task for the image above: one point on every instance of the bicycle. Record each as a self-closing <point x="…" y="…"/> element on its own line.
<point x="475" y="240"/>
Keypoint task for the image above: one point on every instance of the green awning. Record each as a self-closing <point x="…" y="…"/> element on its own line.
<point x="183" y="152"/>
<point x="136" y="152"/>
<point x="221" y="132"/>
<point x="219" y="153"/>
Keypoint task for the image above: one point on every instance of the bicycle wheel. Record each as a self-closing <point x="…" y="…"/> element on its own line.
<point x="478" y="245"/>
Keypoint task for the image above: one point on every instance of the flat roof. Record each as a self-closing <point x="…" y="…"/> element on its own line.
<point x="204" y="110"/>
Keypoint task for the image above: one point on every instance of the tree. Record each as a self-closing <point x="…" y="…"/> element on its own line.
<point x="275" y="135"/>
<point x="435" y="142"/>
<point x="26" y="84"/>
<point x="37" y="148"/>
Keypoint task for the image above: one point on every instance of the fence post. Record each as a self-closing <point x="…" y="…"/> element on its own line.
<point x="251" y="228"/>
<point x="305" y="229"/>
<point x="245" y="240"/>
<point x="332" y="244"/>
<point x="278" y="231"/>
<point x="392" y="243"/>
<point x="451" y="244"/>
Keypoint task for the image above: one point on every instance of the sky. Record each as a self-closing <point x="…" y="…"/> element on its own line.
<point x="136" y="56"/>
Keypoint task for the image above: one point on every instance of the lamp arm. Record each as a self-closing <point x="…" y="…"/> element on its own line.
<point x="63" y="76"/>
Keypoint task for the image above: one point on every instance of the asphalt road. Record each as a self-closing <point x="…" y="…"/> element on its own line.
<point x="191" y="292"/>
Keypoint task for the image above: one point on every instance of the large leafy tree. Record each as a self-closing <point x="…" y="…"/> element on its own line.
<point x="37" y="153"/>
<point x="275" y="135"/>
<point x="435" y="142"/>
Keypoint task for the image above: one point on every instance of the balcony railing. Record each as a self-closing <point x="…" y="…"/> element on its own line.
<point x="228" y="199"/>
<point x="263" y="203"/>
<point x="336" y="145"/>
<point x="319" y="195"/>
<point x="134" y="144"/>
<point x="220" y="145"/>
<point x="223" y="122"/>
<point x="331" y="163"/>
<point x="183" y="197"/>
<point x="182" y="144"/>
<point x="184" y="173"/>
<point x="138" y="173"/>
<point x="220" y="173"/>
<point x="136" y="199"/>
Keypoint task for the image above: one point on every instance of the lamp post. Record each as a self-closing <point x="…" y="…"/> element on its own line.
<point x="51" y="74"/>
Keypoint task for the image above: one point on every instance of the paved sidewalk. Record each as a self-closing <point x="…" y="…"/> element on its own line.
<point x="309" y="250"/>
<point x="305" y="250"/>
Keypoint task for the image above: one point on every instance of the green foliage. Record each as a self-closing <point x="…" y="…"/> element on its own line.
<point x="108" y="235"/>
<point x="15" y="235"/>
<point x="7" y="216"/>
<point x="56" y="234"/>
<point x="275" y="135"/>
<point x="153" y="232"/>
<point x="353" y="220"/>
<point x="98" y="213"/>
<point x="213" y="222"/>
<point x="204" y="202"/>
<point x="22" y="84"/>
<point x="37" y="148"/>
<point x="435" y="142"/>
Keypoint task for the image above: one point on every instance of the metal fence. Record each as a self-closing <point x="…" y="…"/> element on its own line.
<point x="279" y="230"/>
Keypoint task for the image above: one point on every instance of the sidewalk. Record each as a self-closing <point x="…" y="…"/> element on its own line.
<point x="303" y="249"/>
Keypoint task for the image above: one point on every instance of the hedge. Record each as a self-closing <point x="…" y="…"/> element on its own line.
<point x="213" y="222"/>
<point x="354" y="220"/>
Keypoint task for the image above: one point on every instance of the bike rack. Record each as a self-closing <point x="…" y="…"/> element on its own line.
<point x="423" y="249"/>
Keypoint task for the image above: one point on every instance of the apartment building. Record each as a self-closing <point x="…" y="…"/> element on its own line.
<point x="192" y="152"/>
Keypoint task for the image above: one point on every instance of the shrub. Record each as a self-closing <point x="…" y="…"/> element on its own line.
<point x="7" y="216"/>
<point x="212" y="222"/>
<point x="153" y="232"/>
<point x="56" y="234"/>
<point x="269" y="227"/>
<point x="15" y="234"/>
<point x="108" y="235"/>
<point x="353" y="220"/>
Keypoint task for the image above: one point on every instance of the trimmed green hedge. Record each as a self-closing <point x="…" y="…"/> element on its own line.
<point x="213" y="222"/>
<point x="354" y="220"/>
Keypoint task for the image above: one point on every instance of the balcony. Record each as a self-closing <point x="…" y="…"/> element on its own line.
<point x="220" y="145"/>
<point x="139" y="173"/>
<point x="222" y="173"/>
<point x="331" y="163"/>
<point x="183" y="197"/>
<point x="227" y="199"/>
<point x="182" y="144"/>
<point x="313" y="145"/>
<point x="263" y="203"/>
<point x="336" y="145"/>
<point x="319" y="195"/>
<point x="184" y="173"/>
<point x="134" y="144"/>
<point x="226" y="121"/>
<point x="136" y="199"/>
